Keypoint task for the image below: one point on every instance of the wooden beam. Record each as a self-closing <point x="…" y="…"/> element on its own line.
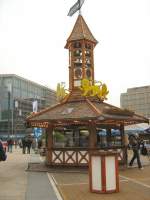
<point x="124" y="149"/>
<point x="108" y="131"/>
<point x="92" y="135"/>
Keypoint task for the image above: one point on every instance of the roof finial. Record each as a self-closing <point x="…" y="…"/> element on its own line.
<point x="77" y="6"/>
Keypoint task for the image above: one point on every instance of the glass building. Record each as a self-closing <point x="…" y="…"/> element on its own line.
<point x="137" y="99"/>
<point x="18" y="98"/>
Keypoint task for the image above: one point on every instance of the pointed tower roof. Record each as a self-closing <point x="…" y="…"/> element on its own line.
<point x="81" y="31"/>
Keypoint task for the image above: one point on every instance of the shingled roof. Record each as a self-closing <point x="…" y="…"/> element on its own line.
<point x="84" y="109"/>
<point x="81" y="31"/>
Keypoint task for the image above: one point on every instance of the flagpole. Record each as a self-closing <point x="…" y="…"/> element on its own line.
<point x="79" y="7"/>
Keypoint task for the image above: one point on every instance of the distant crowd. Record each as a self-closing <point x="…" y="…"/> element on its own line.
<point x="26" y="143"/>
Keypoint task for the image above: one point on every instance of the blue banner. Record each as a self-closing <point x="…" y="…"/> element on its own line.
<point x="37" y="132"/>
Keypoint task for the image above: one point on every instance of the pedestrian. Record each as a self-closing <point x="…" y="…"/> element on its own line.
<point x="10" y="144"/>
<point x="29" y="144"/>
<point x="134" y="143"/>
<point x="33" y="144"/>
<point x="24" y="145"/>
<point x="3" y="155"/>
<point x="39" y="144"/>
<point x="20" y="143"/>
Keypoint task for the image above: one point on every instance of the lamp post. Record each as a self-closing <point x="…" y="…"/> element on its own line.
<point x="15" y="118"/>
<point x="9" y="94"/>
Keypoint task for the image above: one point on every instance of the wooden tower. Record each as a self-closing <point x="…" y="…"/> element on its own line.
<point x="81" y="45"/>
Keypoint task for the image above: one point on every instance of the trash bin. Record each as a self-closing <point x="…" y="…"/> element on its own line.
<point x="103" y="172"/>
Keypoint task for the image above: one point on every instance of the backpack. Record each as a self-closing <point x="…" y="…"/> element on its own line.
<point x="3" y="155"/>
<point x="144" y="150"/>
<point x="133" y="142"/>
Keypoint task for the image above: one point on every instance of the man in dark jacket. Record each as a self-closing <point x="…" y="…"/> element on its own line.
<point x="23" y="145"/>
<point x="134" y="143"/>
<point x="29" y="144"/>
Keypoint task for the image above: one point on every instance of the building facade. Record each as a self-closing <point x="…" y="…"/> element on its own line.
<point x="137" y="99"/>
<point x="18" y="98"/>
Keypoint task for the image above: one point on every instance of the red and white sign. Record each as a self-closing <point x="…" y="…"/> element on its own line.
<point x="103" y="172"/>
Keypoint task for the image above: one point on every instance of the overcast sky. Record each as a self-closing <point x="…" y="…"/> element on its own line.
<point x="33" y="34"/>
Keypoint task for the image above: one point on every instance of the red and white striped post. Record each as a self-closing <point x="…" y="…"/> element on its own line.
<point x="103" y="172"/>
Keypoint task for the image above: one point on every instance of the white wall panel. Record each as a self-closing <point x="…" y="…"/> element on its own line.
<point x="96" y="173"/>
<point x="110" y="173"/>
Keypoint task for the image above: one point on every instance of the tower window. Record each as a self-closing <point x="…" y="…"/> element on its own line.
<point x="87" y="46"/>
<point x="78" y="73"/>
<point x="77" y="45"/>
<point x="78" y="53"/>
<point x="87" y="61"/>
<point x="88" y="73"/>
<point x="78" y="60"/>
<point x="87" y="53"/>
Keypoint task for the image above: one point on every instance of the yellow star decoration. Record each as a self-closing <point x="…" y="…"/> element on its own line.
<point x="88" y="89"/>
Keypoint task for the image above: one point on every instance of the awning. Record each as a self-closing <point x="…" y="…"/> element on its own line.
<point x="142" y="127"/>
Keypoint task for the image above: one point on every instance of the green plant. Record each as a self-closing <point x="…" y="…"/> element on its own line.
<point x="59" y="137"/>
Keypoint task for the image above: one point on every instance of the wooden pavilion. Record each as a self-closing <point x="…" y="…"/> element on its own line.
<point x="80" y="124"/>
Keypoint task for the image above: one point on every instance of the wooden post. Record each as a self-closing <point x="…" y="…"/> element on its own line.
<point x="49" y="133"/>
<point x="83" y="60"/>
<point x="124" y="147"/>
<point x="92" y="136"/>
<point x="108" y="130"/>
<point x="92" y="63"/>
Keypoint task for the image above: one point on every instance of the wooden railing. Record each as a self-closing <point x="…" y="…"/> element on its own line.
<point x="75" y="156"/>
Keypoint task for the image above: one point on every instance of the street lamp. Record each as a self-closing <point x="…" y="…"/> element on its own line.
<point x="18" y="114"/>
<point x="15" y="118"/>
<point x="9" y="94"/>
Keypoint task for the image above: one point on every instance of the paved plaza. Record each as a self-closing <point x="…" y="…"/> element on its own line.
<point x="134" y="184"/>
<point x="17" y="182"/>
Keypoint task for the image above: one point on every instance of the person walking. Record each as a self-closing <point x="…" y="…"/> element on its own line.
<point x="24" y="145"/>
<point x="10" y="145"/>
<point x="134" y="143"/>
<point x="39" y="144"/>
<point x="29" y="144"/>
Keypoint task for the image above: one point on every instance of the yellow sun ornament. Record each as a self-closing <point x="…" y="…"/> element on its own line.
<point x="98" y="89"/>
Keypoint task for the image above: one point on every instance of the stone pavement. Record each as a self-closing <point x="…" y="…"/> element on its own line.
<point x="17" y="183"/>
<point x="13" y="177"/>
<point x="134" y="184"/>
<point x="38" y="184"/>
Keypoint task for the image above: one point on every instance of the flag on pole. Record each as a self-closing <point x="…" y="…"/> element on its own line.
<point x="35" y="106"/>
<point x="20" y="112"/>
<point x="77" y="6"/>
<point x="37" y="132"/>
